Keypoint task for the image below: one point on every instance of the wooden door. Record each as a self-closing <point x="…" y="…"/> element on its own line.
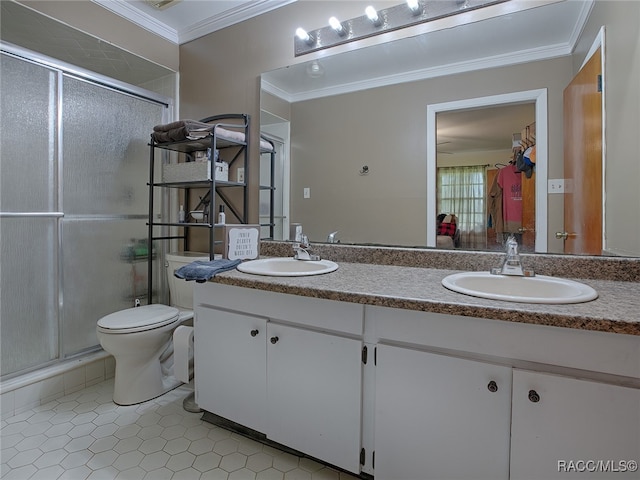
<point x="528" y="213"/>
<point x="583" y="160"/>
<point x="492" y="243"/>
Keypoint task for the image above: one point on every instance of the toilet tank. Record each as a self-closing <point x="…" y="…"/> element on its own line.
<point x="181" y="291"/>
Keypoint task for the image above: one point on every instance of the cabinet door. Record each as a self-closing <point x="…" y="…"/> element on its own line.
<point x="440" y="417"/>
<point x="230" y="366"/>
<point x="573" y="425"/>
<point x="314" y="394"/>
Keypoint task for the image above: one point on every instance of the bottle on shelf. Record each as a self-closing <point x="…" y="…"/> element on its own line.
<point x="181" y="216"/>
<point x="221" y="215"/>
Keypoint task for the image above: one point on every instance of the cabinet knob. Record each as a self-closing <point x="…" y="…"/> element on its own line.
<point x="274" y="340"/>
<point x="493" y="386"/>
<point x="254" y="333"/>
<point x="533" y="396"/>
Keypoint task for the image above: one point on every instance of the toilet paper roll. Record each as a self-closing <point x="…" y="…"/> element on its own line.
<point x="182" y="349"/>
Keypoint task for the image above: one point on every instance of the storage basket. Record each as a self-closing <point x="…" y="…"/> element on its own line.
<point x="194" y="172"/>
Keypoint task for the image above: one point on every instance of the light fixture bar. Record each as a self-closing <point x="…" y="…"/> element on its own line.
<point x="389" y="19"/>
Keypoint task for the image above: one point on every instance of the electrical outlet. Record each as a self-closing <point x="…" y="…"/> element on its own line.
<point x="306" y="192"/>
<point x="240" y="174"/>
<point x="556" y="185"/>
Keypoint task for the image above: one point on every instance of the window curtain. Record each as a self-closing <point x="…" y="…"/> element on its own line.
<point x="462" y="192"/>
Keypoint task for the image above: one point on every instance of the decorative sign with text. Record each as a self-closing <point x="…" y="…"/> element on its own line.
<point x="242" y="242"/>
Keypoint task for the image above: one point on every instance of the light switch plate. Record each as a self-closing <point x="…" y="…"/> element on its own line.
<point x="556" y="185"/>
<point x="306" y="192"/>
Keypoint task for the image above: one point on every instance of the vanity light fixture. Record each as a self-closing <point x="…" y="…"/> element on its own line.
<point x="372" y="15"/>
<point x="406" y="14"/>
<point x="337" y="26"/>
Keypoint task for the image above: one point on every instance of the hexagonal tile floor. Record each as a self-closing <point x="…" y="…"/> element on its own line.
<point x="85" y="436"/>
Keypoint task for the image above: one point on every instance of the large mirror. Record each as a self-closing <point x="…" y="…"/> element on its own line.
<point x="370" y="129"/>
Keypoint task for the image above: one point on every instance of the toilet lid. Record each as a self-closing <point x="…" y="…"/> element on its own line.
<point x="148" y="316"/>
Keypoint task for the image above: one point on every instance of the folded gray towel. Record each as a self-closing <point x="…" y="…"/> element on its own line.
<point x="181" y="130"/>
<point x="202" y="270"/>
<point x="188" y="125"/>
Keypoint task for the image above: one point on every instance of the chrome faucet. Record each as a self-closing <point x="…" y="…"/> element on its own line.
<point x="511" y="264"/>
<point x="331" y="238"/>
<point x="301" y="250"/>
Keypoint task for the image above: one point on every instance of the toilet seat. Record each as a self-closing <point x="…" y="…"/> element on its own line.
<point x="138" y="319"/>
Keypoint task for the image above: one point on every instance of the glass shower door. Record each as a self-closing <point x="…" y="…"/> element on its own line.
<point x="74" y="168"/>
<point x="105" y="199"/>
<point x="29" y="216"/>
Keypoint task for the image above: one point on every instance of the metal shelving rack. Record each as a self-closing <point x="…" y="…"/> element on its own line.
<point x="239" y="150"/>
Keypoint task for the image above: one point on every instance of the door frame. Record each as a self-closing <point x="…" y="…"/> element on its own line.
<point x="283" y="136"/>
<point x="538" y="96"/>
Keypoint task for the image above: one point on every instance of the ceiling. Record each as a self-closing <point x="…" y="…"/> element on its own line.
<point x="187" y="20"/>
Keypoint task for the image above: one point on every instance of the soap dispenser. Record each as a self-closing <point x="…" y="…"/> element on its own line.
<point x="221" y="215"/>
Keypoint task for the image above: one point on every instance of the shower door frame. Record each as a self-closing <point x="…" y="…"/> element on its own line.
<point x="61" y="70"/>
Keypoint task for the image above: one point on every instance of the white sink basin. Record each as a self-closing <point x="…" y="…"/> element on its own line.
<point x="287" y="267"/>
<point x="537" y="289"/>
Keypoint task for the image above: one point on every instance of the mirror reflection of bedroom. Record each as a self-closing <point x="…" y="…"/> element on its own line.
<point x="486" y="177"/>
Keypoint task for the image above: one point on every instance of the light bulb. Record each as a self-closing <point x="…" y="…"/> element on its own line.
<point x="414" y="6"/>
<point x="336" y="25"/>
<point x="315" y="70"/>
<point x="371" y="14"/>
<point x="302" y="34"/>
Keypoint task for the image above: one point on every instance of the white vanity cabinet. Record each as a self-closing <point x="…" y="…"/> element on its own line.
<point x="230" y="358"/>
<point x="559" y="398"/>
<point x="445" y="396"/>
<point x="286" y="366"/>
<point x="440" y="417"/>
<point x="568" y="428"/>
<point x="314" y="394"/>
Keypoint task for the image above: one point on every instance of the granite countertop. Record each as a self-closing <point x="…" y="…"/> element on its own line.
<point x="616" y="310"/>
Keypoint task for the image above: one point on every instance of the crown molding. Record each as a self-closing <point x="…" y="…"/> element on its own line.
<point x="230" y="17"/>
<point x="204" y="27"/>
<point x="135" y="15"/>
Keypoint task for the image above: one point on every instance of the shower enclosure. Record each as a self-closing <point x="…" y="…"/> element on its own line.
<point x="73" y="206"/>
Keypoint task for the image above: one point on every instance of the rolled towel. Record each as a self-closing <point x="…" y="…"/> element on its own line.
<point x="202" y="270"/>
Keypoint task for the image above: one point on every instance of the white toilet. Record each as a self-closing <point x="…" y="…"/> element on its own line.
<point x="141" y="339"/>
